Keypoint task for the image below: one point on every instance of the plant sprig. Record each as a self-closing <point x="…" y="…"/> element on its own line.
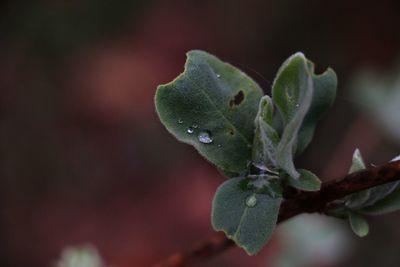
<point x="253" y="139"/>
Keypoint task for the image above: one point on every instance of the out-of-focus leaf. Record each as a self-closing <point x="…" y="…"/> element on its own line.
<point x="395" y="158"/>
<point x="212" y="106"/>
<point x="357" y="162"/>
<point x="380" y="192"/>
<point x="306" y="182"/>
<point x="265" y="139"/>
<point x="357" y="199"/>
<point x="388" y="204"/>
<point x="246" y="217"/>
<point x="80" y="256"/>
<point x="358" y="224"/>
<point x="379" y="97"/>
<point x="292" y="93"/>
<point x="369" y="197"/>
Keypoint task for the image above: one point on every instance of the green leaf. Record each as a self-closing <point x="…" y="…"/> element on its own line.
<point x="380" y="192"/>
<point x="246" y="217"/>
<point x="367" y="198"/>
<point x="358" y="224"/>
<point x="265" y="139"/>
<point x="357" y="162"/>
<point x="215" y="102"/>
<point x="323" y="97"/>
<point x="292" y="93"/>
<point x="306" y="182"/>
<point x="389" y="204"/>
<point x="356" y="200"/>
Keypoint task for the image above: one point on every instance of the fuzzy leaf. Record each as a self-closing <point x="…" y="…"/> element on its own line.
<point x="246" y="217"/>
<point x="367" y="198"/>
<point x="265" y="139"/>
<point x="389" y="204"/>
<point x="357" y="162"/>
<point x="357" y="199"/>
<point x="324" y="95"/>
<point x="358" y="224"/>
<point x="380" y="192"/>
<point x="292" y="93"/>
<point x="306" y="182"/>
<point x="214" y="99"/>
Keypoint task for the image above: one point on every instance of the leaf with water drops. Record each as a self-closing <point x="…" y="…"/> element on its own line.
<point x="221" y="101"/>
<point x="301" y="97"/>
<point x="246" y="217"/>
<point x="358" y="224"/>
<point x="307" y="181"/>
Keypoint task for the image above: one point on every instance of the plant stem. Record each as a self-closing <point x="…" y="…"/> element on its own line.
<point x="303" y="202"/>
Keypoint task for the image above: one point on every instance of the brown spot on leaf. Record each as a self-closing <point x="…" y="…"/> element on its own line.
<point x="237" y="99"/>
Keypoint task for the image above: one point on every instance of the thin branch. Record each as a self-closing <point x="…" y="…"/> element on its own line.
<point x="303" y="202"/>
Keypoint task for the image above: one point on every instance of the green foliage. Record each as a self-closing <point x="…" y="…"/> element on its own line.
<point x="306" y="182"/>
<point x="358" y="224"/>
<point x="246" y="217"/>
<point x="80" y="256"/>
<point x="373" y="201"/>
<point x="301" y="98"/>
<point x="221" y="112"/>
<point x="387" y="204"/>
<point x="214" y="98"/>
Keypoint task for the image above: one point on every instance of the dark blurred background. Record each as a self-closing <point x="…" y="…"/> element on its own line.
<point x="84" y="158"/>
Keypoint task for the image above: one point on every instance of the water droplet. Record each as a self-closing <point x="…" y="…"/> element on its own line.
<point x="297" y="105"/>
<point x="205" y="138"/>
<point x="219" y="145"/>
<point x="180" y="121"/>
<point x="190" y="130"/>
<point x="251" y="201"/>
<point x="218" y="75"/>
<point x="195" y="126"/>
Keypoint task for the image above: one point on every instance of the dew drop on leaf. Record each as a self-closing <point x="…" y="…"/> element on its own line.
<point x="205" y="138"/>
<point x="195" y="126"/>
<point x="180" y="121"/>
<point x="190" y="130"/>
<point x="251" y="201"/>
<point x="218" y="75"/>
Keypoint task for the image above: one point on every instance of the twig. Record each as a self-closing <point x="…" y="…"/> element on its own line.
<point x="303" y="202"/>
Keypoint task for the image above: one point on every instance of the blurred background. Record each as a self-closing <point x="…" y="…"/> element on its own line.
<point x="86" y="166"/>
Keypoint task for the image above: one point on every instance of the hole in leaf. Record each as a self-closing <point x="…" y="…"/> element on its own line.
<point x="237" y="99"/>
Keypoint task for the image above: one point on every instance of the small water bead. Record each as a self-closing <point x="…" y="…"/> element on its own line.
<point x="218" y="75"/>
<point x="190" y="130"/>
<point x="180" y="121"/>
<point x="251" y="201"/>
<point x="205" y="138"/>
<point x="195" y="126"/>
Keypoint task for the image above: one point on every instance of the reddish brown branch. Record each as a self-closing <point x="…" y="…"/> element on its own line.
<point x="304" y="202"/>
